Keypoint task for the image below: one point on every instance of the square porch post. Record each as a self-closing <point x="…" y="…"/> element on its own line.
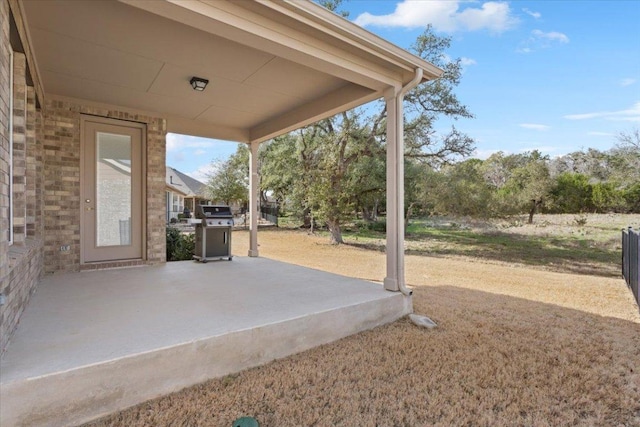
<point x="394" y="280"/>
<point x="254" y="204"/>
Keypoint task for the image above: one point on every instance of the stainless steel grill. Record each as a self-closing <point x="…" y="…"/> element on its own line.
<point x="214" y="224"/>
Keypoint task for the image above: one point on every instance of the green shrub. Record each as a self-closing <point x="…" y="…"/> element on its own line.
<point x="581" y="220"/>
<point x="180" y="246"/>
<point x="378" y="226"/>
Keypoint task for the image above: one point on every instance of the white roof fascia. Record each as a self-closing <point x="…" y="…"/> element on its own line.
<point x="176" y="190"/>
<point x="348" y="32"/>
<point x="187" y="126"/>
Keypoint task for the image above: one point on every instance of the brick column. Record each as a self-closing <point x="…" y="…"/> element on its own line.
<point x="31" y="166"/>
<point x="5" y="47"/>
<point x="19" y="147"/>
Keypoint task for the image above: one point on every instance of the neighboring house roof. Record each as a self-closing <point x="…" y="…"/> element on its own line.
<point x="184" y="184"/>
<point x="272" y="66"/>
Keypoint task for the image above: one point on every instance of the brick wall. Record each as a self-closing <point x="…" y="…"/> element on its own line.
<point x="22" y="262"/>
<point x="25" y="271"/>
<point x="19" y="147"/>
<point x="4" y="139"/>
<point x="61" y="143"/>
<point x="33" y="161"/>
<point x="46" y="184"/>
<point x="156" y="199"/>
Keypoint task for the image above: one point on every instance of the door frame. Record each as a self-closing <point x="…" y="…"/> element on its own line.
<point x="84" y="118"/>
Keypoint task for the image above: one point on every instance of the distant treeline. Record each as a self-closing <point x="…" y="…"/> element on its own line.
<point x="507" y="184"/>
<point x="293" y="176"/>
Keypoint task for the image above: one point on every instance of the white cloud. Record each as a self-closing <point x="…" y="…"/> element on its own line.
<point x="464" y="61"/>
<point x="534" y="126"/>
<point x="199" y="152"/>
<point x="551" y="36"/>
<point x="467" y="61"/>
<point x="177" y="142"/>
<point x="540" y="148"/>
<point x="595" y="133"/>
<point x="536" y="15"/>
<point x="629" y="115"/>
<point x="203" y="172"/>
<point x="541" y="40"/>
<point x="445" y="16"/>
<point x="627" y="82"/>
<point x="175" y="157"/>
<point x="485" y="154"/>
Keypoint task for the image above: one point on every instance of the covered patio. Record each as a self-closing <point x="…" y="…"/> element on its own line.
<point x="117" y="74"/>
<point x="91" y="343"/>
<point x="268" y="67"/>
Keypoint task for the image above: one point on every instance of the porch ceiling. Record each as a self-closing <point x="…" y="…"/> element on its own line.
<point x="272" y="66"/>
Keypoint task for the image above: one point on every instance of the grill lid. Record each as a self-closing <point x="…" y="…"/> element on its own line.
<point x="213" y="211"/>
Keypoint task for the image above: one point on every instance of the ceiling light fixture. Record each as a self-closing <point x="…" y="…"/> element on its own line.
<point x="198" y="83"/>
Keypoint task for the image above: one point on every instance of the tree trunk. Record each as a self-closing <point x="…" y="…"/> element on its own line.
<point x="534" y="206"/>
<point x="306" y="218"/>
<point x="335" y="231"/>
<point x="408" y="216"/>
<point x="366" y="214"/>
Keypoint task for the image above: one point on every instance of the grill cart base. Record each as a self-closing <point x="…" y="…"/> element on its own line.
<point x="212" y="244"/>
<point x="213" y="233"/>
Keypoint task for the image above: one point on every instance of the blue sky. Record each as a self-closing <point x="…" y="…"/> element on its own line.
<point x="557" y="76"/>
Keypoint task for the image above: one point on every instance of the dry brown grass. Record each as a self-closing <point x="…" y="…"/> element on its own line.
<point x="514" y="346"/>
<point x="587" y="244"/>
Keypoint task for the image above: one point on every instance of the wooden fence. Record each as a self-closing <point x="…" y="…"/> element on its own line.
<point x="631" y="261"/>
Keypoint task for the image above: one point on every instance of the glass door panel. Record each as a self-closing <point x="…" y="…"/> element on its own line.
<point x="113" y="189"/>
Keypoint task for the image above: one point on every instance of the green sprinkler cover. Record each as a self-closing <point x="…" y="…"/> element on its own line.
<point x="246" y="422"/>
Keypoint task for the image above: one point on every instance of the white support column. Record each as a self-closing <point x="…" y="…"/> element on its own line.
<point x="254" y="201"/>
<point x="395" y="185"/>
<point x="395" y="192"/>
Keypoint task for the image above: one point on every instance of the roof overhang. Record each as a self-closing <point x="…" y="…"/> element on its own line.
<point x="273" y="66"/>
<point x="176" y="190"/>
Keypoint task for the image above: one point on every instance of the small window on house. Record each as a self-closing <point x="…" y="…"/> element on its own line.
<point x="178" y="203"/>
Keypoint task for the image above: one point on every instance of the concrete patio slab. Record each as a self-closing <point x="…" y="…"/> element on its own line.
<point x="92" y="343"/>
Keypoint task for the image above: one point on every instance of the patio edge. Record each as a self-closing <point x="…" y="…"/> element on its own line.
<point x="80" y="395"/>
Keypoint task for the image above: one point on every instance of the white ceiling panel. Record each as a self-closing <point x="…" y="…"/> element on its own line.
<point x="227" y="117"/>
<point x="288" y="78"/>
<point x="173" y="81"/>
<point x="108" y="94"/>
<point x="131" y="30"/>
<point x="77" y="58"/>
